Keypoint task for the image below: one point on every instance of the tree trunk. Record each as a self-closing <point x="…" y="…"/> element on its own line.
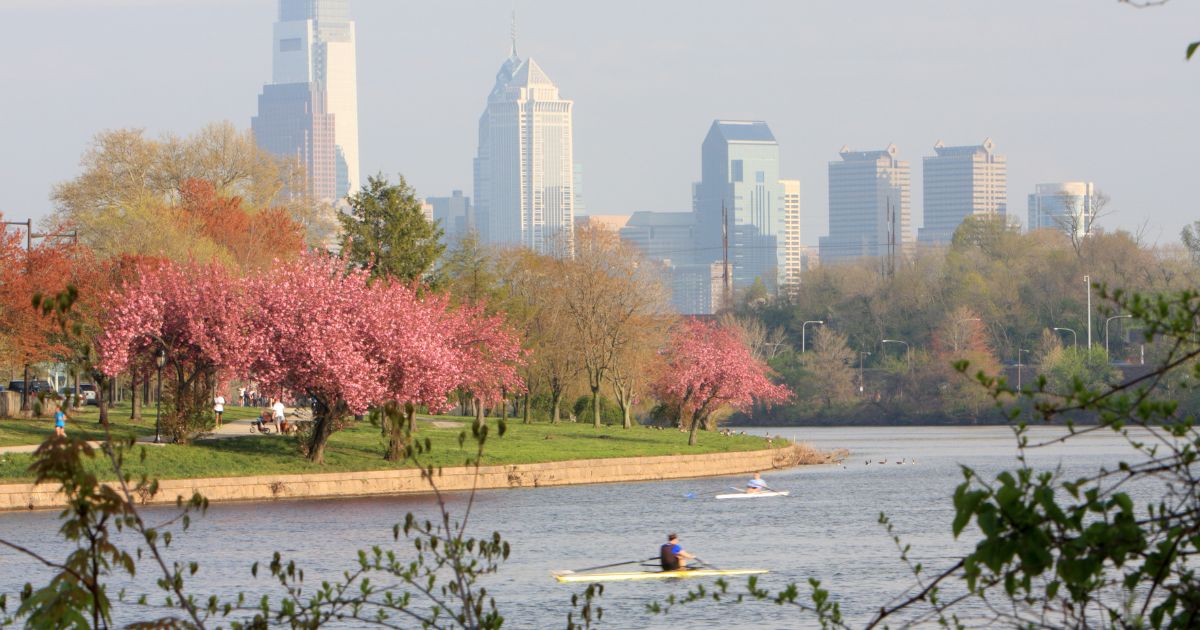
<point x="135" y="403"/>
<point x="479" y="412"/>
<point x="695" y="427"/>
<point x="503" y="407"/>
<point x="555" y="406"/>
<point x="595" y="406"/>
<point x="397" y="441"/>
<point x="322" y="429"/>
<point x="102" y="401"/>
<point x="525" y="408"/>
<point x="410" y="413"/>
<point x="25" y="406"/>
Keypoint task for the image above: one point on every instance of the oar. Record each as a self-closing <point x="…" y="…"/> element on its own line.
<point x="706" y="564"/>
<point x="693" y="495"/>
<point x="604" y="566"/>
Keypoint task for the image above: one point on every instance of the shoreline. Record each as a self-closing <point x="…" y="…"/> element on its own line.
<point x="28" y="496"/>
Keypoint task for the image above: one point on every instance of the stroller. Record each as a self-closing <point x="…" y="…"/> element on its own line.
<point x="264" y="423"/>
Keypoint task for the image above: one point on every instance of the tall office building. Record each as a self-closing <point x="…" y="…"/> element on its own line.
<point x="868" y="206"/>
<point x="739" y="181"/>
<point x="960" y="182"/>
<point x="792" y="247"/>
<point x="292" y="121"/>
<point x="314" y="47"/>
<point x="524" y="169"/>
<point x="1067" y="206"/>
<point x="455" y="216"/>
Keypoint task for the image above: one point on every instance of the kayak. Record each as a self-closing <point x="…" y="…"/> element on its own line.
<point x="753" y="495"/>
<point x="568" y="576"/>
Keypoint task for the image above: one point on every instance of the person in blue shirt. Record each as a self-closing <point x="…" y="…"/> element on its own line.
<point x="60" y="423"/>
<point x="756" y="484"/>
<point x="673" y="557"/>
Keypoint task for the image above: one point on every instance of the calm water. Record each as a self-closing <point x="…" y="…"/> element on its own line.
<point x="828" y="529"/>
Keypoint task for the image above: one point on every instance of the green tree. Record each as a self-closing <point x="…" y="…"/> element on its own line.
<point x="1066" y="369"/>
<point x="1191" y="240"/>
<point x="385" y="229"/>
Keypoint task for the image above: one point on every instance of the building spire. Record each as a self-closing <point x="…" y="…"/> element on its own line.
<point x="513" y="34"/>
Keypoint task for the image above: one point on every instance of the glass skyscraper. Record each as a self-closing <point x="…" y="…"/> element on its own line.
<point x="960" y="182"/>
<point x="524" y="168"/>
<point x="313" y="48"/>
<point x="868" y="206"/>
<point x="739" y="171"/>
<point x="1067" y="206"/>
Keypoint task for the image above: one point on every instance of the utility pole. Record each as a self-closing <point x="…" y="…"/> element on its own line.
<point x="726" y="286"/>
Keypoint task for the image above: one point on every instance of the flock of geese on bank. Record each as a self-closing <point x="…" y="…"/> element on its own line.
<point x="900" y="462"/>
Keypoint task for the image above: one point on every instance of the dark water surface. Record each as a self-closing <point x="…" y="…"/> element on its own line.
<point x="828" y="529"/>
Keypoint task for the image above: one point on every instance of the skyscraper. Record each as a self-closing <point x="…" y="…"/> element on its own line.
<point x="455" y="216"/>
<point x="792" y="247"/>
<point x="524" y="169"/>
<point x="960" y="182"/>
<point x="868" y="206"/>
<point x="1067" y="206"/>
<point x="739" y="179"/>
<point x="313" y="47"/>
<point x="292" y="121"/>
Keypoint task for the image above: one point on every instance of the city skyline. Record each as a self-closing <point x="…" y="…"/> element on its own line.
<point x="418" y="128"/>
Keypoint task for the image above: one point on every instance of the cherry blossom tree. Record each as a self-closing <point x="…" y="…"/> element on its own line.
<point x="709" y="367"/>
<point x="197" y="316"/>
<point x="489" y="353"/>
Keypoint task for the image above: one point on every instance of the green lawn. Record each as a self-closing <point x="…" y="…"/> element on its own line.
<point x="85" y="423"/>
<point x="360" y="447"/>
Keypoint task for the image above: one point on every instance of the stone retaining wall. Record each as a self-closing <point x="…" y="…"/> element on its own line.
<point x="407" y="481"/>
<point x="10" y="405"/>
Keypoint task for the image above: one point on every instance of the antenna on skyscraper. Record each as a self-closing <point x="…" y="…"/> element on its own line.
<point x="513" y="32"/>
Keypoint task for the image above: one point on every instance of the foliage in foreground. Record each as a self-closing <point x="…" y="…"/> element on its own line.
<point x="1067" y="552"/>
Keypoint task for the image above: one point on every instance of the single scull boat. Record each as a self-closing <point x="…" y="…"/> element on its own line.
<point x="753" y="495"/>
<point x="569" y="576"/>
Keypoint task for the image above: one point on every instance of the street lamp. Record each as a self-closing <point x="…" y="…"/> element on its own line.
<point x="1074" y="336"/>
<point x="907" y="350"/>
<point x="1106" y="322"/>
<point x="160" y="359"/>
<point x="861" y="354"/>
<point x="1019" y="351"/>
<point x="1087" y="280"/>
<point x="803" y="336"/>
<point x="968" y="319"/>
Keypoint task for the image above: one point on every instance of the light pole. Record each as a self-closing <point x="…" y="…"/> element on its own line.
<point x="1106" y="322"/>
<point x="907" y="350"/>
<point x="160" y="359"/>
<point x="1088" y="281"/>
<point x="968" y="319"/>
<point x="803" y="336"/>
<point x="861" y="354"/>
<point x="1074" y="336"/>
<point x="1019" y="351"/>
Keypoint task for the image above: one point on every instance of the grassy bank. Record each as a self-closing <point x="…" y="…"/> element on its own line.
<point x="360" y="447"/>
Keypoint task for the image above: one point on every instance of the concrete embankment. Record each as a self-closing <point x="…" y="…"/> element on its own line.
<point x="409" y="481"/>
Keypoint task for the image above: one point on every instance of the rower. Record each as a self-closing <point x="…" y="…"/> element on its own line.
<point x="756" y="484"/>
<point x="673" y="557"/>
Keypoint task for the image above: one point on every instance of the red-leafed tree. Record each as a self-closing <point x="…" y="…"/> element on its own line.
<point x="251" y="239"/>
<point x="197" y="316"/>
<point x="709" y="367"/>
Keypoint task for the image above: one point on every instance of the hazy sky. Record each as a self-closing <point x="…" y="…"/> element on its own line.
<point x="1068" y="89"/>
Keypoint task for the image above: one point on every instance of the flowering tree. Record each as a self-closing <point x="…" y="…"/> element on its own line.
<point x="489" y="353"/>
<point x="709" y="367"/>
<point x="197" y="316"/>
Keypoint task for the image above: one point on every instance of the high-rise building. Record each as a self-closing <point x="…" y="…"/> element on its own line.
<point x="1067" y="206"/>
<point x="792" y="247"/>
<point x="314" y="46"/>
<point x="960" y="182"/>
<point x="292" y="121"/>
<point x="455" y="215"/>
<point x="524" y="168"/>
<point x="868" y="206"/>
<point x="739" y="183"/>
<point x="610" y="222"/>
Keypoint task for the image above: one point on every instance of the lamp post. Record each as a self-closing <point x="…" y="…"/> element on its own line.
<point x="1106" y="323"/>
<point x="1088" y="281"/>
<point x="861" y="354"/>
<point x="1019" y="351"/>
<point x="803" y="336"/>
<point x="967" y="319"/>
<point x="1074" y="336"/>
<point x="907" y="350"/>
<point x="160" y="359"/>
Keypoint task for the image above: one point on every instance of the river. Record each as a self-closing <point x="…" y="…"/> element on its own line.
<point x="827" y="529"/>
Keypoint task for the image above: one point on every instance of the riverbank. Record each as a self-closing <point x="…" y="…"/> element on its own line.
<point x="28" y="496"/>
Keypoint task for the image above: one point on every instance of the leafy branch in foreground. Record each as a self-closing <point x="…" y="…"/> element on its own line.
<point x="1060" y="551"/>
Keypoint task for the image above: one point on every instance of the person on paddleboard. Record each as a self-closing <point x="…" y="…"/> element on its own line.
<point x="673" y="557"/>
<point x="756" y="484"/>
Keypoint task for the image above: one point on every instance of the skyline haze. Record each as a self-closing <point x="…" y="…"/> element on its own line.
<point x="1038" y="78"/>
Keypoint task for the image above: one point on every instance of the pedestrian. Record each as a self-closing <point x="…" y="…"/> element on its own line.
<point x="242" y="396"/>
<point x="60" y="423"/>
<point x="218" y="408"/>
<point x="277" y="414"/>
